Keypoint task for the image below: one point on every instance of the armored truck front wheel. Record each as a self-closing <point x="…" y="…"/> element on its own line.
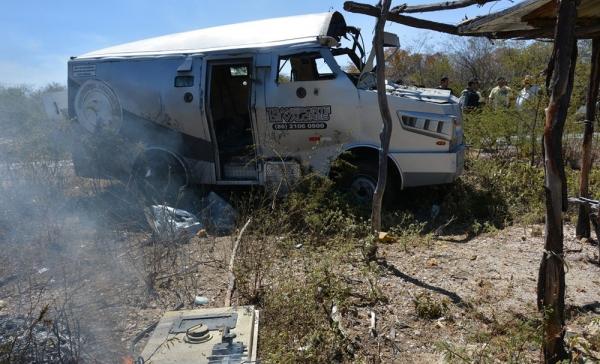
<point x="358" y="177"/>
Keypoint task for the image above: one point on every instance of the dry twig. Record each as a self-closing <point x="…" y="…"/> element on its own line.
<point x="231" y="285"/>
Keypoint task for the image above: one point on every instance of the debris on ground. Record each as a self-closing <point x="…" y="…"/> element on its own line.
<point x="219" y="214"/>
<point x="201" y="300"/>
<point x="386" y="238"/>
<point x="169" y="223"/>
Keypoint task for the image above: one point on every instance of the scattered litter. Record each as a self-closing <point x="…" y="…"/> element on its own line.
<point x="201" y="300"/>
<point x="168" y="222"/>
<point x="219" y="214"/>
<point x="386" y="238"/>
<point x="42" y="270"/>
<point x="2" y="304"/>
<point x="298" y="246"/>
<point x="372" y="324"/>
<point x="215" y="215"/>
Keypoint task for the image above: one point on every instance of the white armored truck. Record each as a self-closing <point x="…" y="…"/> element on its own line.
<point x="250" y="104"/>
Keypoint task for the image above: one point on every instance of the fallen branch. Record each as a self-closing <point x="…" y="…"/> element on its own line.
<point x="231" y="275"/>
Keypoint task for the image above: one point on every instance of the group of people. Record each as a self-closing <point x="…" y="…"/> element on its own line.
<point x="500" y="96"/>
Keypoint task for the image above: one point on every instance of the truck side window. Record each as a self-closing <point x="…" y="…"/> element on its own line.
<point x="303" y="67"/>
<point x="184" y="81"/>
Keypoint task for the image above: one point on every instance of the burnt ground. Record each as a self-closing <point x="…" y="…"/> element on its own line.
<point x="105" y="278"/>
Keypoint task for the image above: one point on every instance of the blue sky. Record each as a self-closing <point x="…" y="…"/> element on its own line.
<point x="38" y="36"/>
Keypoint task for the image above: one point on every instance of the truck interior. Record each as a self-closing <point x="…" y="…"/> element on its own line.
<point x="229" y="111"/>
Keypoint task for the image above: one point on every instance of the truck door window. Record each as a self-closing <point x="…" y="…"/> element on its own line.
<point x="238" y="71"/>
<point x="303" y="67"/>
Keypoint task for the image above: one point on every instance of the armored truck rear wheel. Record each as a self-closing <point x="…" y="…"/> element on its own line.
<point x="160" y="178"/>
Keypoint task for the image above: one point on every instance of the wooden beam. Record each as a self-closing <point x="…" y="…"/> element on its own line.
<point x="583" y="220"/>
<point x="444" y="5"/>
<point x="354" y="7"/>
<point x="590" y="32"/>
<point x="582" y="22"/>
<point x="384" y="109"/>
<point x="551" y="279"/>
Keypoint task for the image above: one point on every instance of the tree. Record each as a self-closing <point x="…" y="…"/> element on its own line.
<point x="551" y="280"/>
<point x="384" y="109"/>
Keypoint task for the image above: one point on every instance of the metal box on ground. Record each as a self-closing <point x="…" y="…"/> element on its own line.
<point x="212" y="335"/>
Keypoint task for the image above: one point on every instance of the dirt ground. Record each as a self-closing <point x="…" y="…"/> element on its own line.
<point x="447" y="296"/>
<point x="485" y="282"/>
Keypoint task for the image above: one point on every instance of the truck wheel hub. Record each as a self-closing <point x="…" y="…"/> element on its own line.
<point x="363" y="188"/>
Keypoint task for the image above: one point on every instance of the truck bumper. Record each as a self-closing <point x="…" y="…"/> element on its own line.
<point x="419" y="169"/>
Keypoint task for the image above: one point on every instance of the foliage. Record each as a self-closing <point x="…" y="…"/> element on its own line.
<point x="498" y="340"/>
<point x="428" y="307"/>
<point x="27" y="134"/>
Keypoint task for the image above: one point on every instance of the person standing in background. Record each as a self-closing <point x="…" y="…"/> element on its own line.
<point x="528" y="93"/>
<point x="444" y="84"/>
<point x="470" y="98"/>
<point x="500" y="95"/>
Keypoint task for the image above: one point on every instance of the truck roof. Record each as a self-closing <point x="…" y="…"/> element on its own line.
<point x="252" y="34"/>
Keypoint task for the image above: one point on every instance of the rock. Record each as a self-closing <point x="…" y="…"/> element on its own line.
<point x="432" y="262"/>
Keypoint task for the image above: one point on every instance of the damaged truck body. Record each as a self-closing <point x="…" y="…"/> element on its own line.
<point x="253" y="104"/>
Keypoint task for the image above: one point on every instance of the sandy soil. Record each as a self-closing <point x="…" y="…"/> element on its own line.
<point x="485" y="281"/>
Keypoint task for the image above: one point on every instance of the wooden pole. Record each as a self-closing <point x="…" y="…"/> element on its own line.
<point x="583" y="220"/>
<point x="384" y="109"/>
<point x="551" y="280"/>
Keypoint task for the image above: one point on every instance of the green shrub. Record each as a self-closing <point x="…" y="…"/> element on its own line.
<point x="430" y="308"/>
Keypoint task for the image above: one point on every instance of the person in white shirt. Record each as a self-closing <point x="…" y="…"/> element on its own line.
<point x="528" y="93"/>
<point x="500" y="95"/>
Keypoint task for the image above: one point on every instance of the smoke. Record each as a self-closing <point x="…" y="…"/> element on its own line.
<point x="68" y="265"/>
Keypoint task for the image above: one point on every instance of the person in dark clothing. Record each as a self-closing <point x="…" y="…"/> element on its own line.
<point x="444" y="84"/>
<point x="470" y="98"/>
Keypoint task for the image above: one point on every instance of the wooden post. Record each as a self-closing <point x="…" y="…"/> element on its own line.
<point x="384" y="109"/>
<point x="551" y="280"/>
<point x="583" y="220"/>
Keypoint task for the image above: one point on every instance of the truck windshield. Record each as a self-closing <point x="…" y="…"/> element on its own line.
<point x="351" y="56"/>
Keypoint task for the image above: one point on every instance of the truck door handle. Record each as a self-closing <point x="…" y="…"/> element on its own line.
<point x="301" y="92"/>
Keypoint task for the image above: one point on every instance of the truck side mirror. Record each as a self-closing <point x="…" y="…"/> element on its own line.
<point x="391" y="40"/>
